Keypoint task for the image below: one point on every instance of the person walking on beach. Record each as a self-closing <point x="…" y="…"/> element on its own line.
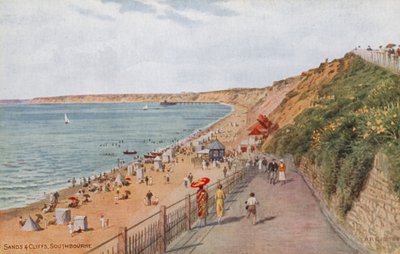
<point x="282" y="170"/>
<point x="251" y="207"/>
<point x="149" y="195"/>
<point x="102" y="221"/>
<point x="225" y="170"/>
<point x="202" y="205"/>
<point x="190" y="177"/>
<point x="146" y="179"/>
<point x="73" y="181"/>
<point x="70" y="229"/>
<point x="219" y="201"/>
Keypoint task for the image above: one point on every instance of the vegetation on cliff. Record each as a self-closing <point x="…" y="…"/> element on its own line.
<point x="355" y="115"/>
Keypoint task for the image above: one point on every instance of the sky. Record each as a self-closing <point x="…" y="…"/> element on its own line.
<point x="72" y="47"/>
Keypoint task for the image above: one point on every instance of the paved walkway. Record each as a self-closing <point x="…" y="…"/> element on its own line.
<point x="289" y="221"/>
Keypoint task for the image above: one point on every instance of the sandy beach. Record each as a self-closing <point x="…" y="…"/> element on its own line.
<point x="230" y="131"/>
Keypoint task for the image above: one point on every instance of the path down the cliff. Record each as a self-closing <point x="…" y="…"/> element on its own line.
<point x="289" y="220"/>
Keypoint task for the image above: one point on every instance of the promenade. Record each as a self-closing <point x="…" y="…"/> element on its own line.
<point x="289" y="220"/>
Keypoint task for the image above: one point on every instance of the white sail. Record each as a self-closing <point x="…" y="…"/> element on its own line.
<point x="66" y="120"/>
<point x="146" y="107"/>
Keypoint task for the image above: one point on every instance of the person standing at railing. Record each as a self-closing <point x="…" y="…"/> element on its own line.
<point x="219" y="202"/>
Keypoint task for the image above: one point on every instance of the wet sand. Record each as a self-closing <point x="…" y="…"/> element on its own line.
<point x="127" y="212"/>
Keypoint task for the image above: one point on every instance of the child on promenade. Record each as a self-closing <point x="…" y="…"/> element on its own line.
<point x="251" y="207"/>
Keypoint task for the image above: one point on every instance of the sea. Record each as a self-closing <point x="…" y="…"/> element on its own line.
<point x="40" y="153"/>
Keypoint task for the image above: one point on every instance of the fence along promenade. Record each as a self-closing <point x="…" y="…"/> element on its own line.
<point x="381" y="58"/>
<point x="153" y="234"/>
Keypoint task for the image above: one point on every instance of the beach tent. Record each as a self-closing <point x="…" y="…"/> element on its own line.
<point x="139" y="173"/>
<point x="216" y="150"/>
<point x="157" y="163"/>
<point x="30" y="225"/>
<point x="80" y="222"/>
<point x="63" y="216"/>
<point x="130" y="170"/>
<point x="118" y="179"/>
<point x="168" y="155"/>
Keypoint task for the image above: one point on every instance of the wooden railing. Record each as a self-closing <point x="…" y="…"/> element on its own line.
<point x="381" y="58"/>
<point x="153" y="234"/>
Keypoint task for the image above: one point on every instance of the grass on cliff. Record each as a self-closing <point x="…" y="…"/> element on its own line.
<point x="356" y="115"/>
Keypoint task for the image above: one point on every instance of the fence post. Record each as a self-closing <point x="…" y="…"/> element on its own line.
<point x="162" y="227"/>
<point x="187" y="211"/>
<point x="122" y="240"/>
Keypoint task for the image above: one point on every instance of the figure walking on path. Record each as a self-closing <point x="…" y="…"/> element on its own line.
<point x="251" y="207"/>
<point x="225" y="170"/>
<point x="273" y="171"/>
<point x="202" y="205"/>
<point x="282" y="170"/>
<point x="219" y="201"/>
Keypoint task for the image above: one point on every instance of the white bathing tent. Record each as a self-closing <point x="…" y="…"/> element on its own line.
<point x="30" y="225"/>
<point x="157" y="163"/>
<point x="119" y="179"/>
<point x="63" y="216"/>
<point x="80" y="222"/>
<point x="168" y="155"/>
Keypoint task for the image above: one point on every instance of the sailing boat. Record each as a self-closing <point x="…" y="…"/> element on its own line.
<point x="146" y="107"/>
<point x="66" y="120"/>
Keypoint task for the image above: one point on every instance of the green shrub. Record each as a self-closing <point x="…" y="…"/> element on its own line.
<point x="358" y="113"/>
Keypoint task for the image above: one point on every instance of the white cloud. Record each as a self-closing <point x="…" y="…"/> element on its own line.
<point x="79" y="47"/>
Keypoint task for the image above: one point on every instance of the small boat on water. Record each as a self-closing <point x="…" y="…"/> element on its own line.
<point x="149" y="156"/>
<point x="146" y="107"/>
<point x="130" y="152"/>
<point x="66" y="120"/>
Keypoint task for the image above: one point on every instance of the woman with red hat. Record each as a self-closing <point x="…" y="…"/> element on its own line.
<point x="202" y="200"/>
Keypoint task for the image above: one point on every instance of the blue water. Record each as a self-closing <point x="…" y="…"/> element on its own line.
<point x="39" y="152"/>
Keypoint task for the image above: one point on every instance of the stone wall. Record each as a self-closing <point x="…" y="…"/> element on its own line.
<point x="374" y="220"/>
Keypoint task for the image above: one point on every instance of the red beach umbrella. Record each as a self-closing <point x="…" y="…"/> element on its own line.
<point x="127" y="178"/>
<point x="72" y="198"/>
<point x="200" y="182"/>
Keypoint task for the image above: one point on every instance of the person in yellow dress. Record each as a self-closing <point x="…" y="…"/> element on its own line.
<point x="219" y="201"/>
<point x="282" y="170"/>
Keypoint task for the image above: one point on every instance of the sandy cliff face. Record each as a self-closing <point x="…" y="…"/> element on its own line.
<point x="245" y="97"/>
<point x="305" y="90"/>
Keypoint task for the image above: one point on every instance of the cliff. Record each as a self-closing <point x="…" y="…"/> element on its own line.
<point x="335" y="122"/>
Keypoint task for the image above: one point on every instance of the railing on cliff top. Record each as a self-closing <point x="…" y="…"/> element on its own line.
<point x="381" y="58"/>
<point x="153" y="234"/>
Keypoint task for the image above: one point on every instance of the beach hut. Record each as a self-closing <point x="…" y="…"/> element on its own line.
<point x="157" y="163"/>
<point x="216" y="150"/>
<point x="130" y="170"/>
<point x="203" y="153"/>
<point x="30" y="225"/>
<point x="63" y="216"/>
<point x="80" y="222"/>
<point x="139" y="173"/>
<point x="168" y="155"/>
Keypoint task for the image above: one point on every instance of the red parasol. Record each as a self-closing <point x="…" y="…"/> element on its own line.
<point x="72" y="198"/>
<point x="390" y="45"/>
<point x="200" y="182"/>
<point x="127" y="178"/>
